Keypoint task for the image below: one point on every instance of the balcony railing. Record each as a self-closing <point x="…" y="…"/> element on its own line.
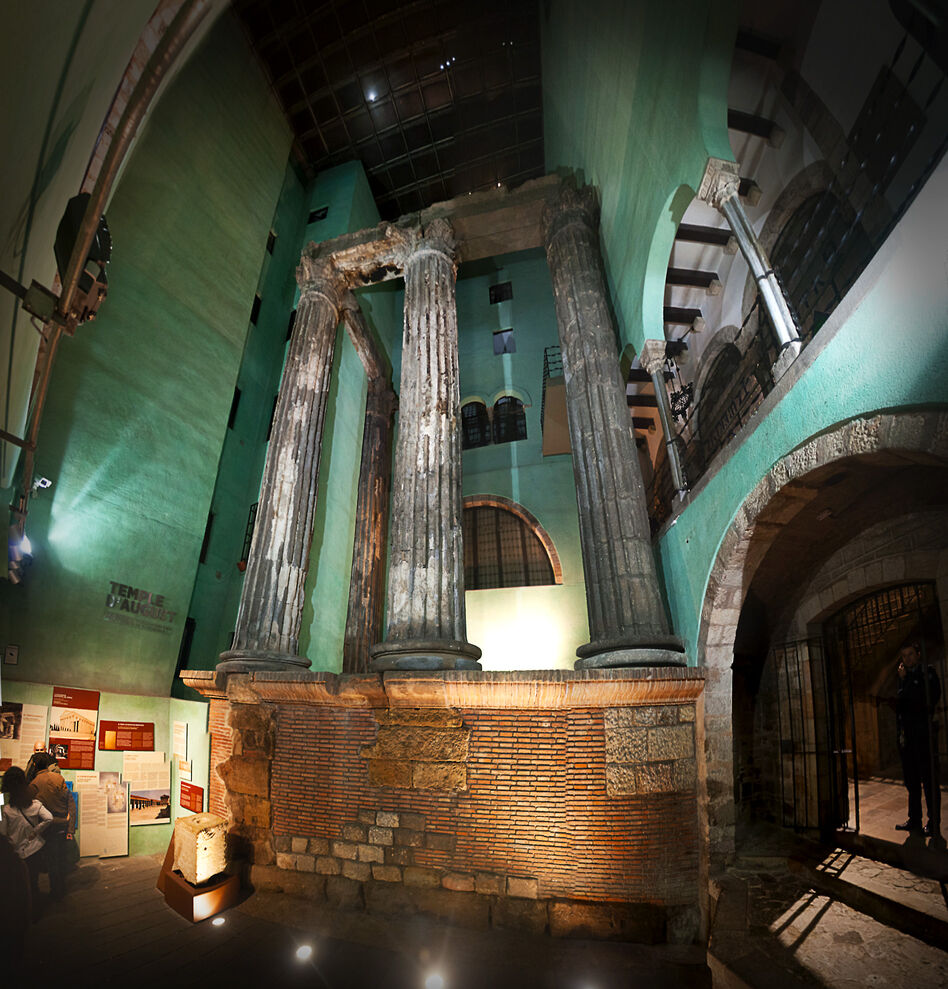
<point x="823" y="249"/>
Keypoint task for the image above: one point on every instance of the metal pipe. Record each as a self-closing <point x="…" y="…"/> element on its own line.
<point x="179" y="32"/>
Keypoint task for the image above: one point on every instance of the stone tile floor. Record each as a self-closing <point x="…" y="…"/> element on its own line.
<point x="772" y="929"/>
<point x="113" y="928"/>
<point x="783" y="933"/>
<point x="883" y="803"/>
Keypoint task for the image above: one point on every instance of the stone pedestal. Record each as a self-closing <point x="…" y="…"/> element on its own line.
<point x="426" y="619"/>
<point x="627" y="618"/>
<point x="271" y="603"/>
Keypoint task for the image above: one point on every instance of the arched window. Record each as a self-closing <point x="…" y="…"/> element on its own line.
<point x="505" y="547"/>
<point x="475" y="425"/>
<point x="510" y="420"/>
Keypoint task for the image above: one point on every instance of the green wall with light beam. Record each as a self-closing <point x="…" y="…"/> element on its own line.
<point x="139" y="399"/>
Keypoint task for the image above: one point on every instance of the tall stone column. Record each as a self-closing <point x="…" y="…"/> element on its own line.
<point x="271" y="603"/>
<point x="367" y="584"/>
<point x="426" y="620"/>
<point x="652" y="358"/>
<point x="627" y="618"/>
<point x="719" y="188"/>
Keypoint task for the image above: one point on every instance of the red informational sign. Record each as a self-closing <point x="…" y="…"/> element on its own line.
<point x="79" y="699"/>
<point x="72" y="722"/>
<point x="133" y="736"/>
<point x="192" y="797"/>
<point x="73" y="753"/>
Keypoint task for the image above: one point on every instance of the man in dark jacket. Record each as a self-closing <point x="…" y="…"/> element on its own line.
<point x="53" y="793"/>
<point x="916" y="705"/>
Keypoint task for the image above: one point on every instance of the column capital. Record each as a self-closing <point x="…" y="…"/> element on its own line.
<point x="720" y="182"/>
<point x="437" y="237"/>
<point x="571" y="206"/>
<point x="319" y="276"/>
<point x="652" y="356"/>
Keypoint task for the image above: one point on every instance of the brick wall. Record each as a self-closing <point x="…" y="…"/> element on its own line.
<point x="545" y="809"/>
<point x="221" y="751"/>
<point x="553" y="801"/>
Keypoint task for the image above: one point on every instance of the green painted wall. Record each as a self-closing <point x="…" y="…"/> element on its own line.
<point x="139" y="400"/>
<point x="887" y="349"/>
<point x="163" y="711"/>
<point x="351" y="207"/>
<point x="218" y="582"/>
<point x="525" y="627"/>
<point x="634" y="102"/>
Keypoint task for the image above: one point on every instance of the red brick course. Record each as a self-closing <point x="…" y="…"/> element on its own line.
<point x="221" y="751"/>
<point x="535" y="805"/>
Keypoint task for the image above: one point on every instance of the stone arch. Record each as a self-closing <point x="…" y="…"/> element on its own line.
<point x="528" y="518"/>
<point x="663" y="238"/>
<point x="764" y="512"/>
<point x="512" y="390"/>
<point x="905" y="549"/>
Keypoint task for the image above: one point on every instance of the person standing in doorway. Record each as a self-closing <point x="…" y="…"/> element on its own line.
<point x="916" y="706"/>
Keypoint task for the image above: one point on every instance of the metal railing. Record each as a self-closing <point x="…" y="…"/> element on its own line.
<point x="821" y="256"/>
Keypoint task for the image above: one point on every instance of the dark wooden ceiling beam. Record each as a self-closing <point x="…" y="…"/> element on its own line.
<point x="696" y="233"/>
<point x="693" y="278"/>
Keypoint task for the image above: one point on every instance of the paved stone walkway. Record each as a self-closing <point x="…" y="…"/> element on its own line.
<point x="779" y="922"/>
<point x="113" y="928"/>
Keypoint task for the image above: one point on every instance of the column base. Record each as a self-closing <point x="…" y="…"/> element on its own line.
<point x="790" y="352"/>
<point x="424" y="654"/>
<point x="618" y="653"/>
<point x="256" y="660"/>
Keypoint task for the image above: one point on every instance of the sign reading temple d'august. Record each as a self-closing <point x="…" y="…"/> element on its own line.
<point x="136" y="606"/>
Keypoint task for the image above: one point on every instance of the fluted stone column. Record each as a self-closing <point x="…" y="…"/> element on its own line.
<point x="426" y="620"/>
<point x="627" y="619"/>
<point x="719" y="188"/>
<point x="652" y="358"/>
<point x="271" y="603"/>
<point x="367" y="583"/>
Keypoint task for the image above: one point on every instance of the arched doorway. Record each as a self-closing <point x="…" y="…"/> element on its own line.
<point x="798" y="524"/>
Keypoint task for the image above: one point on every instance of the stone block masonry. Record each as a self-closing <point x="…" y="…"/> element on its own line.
<point x="562" y="801"/>
<point x="533" y="810"/>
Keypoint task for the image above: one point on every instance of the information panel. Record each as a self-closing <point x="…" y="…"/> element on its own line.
<point x="192" y="797"/>
<point x="72" y="722"/>
<point x="134" y="736"/>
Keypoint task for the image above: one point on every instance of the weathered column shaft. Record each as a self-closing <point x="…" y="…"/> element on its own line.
<point x="271" y="604"/>
<point x="720" y="188"/>
<point x="426" y="620"/>
<point x="626" y="613"/>
<point x="367" y="584"/>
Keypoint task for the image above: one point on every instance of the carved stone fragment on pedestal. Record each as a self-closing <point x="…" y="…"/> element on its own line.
<point x="199" y="846"/>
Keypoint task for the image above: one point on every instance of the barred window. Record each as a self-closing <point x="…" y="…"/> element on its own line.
<point x="501" y="549"/>
<point x="475" y="425"/>
<point x="510" y="420"/>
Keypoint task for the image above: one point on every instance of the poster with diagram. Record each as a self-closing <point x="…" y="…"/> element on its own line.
<point x="24" y="725"/>
<point x="103" y="814"/>
<point x="149" y="777"/>
<point x="72" y="722"/>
